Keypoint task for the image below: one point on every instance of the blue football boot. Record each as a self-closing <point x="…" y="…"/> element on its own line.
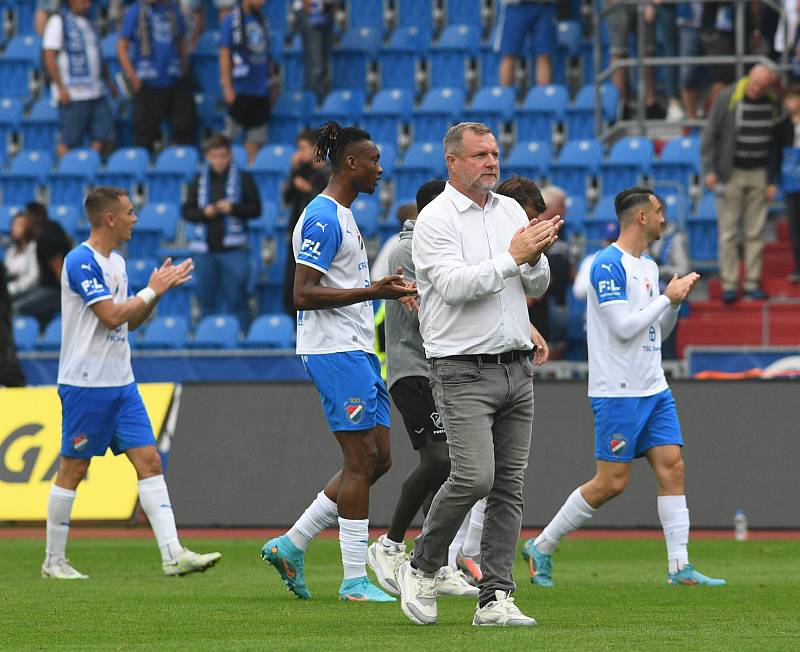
<point x="540" y="565"/>
<point x="360" y="589"/>
<point x="288" y="560"/>
<point x="688" y="576"/>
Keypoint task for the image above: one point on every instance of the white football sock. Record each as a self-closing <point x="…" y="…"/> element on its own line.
<point x="353" y="535"/>
<point x="59" y="509"/>
<point x="458" y="541"/>
<point x="472" y="542"/>
<point x="154" y="498"/>
<point x="572" y="515"/>
<point x="674" y="517"/>
<point x="319" y="515"/>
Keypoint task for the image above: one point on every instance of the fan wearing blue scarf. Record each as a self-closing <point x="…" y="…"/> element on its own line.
<point x="245" y="65"/>
<point x="71" y="56"/>
<point x="221" y="199"/>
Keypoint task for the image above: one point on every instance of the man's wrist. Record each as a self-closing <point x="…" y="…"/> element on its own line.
<point x="148" y="295"/>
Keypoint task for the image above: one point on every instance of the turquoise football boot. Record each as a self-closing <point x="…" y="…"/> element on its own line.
<point x="540" y="565"/>
<point x="288" y="560"/>
<point x="688" y="576"/>
<point x="360" y="589"/>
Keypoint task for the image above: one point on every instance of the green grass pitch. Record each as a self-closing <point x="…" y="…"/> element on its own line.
<point x="609" y="595"/>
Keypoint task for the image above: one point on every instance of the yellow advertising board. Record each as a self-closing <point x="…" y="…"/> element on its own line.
<point x="30" y="441"/>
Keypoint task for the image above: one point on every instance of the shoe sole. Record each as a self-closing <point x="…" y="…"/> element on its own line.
<point x="373" y="564"/>
<point x="201" y="569"/>
<point x="48" y="576"/>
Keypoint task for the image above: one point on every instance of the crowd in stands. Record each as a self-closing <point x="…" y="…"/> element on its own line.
<point x="206" y="112"/>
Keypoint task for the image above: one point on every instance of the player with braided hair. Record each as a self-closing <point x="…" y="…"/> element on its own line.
<point x="333" y="295"/>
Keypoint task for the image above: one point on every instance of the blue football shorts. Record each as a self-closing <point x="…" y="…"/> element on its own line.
<point x="353" y="393"/>
<point x="96" y="418"/>
<point x="627" y="427"/>
<point x="528" y="20"/>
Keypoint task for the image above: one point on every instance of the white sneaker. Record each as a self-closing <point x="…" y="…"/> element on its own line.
<point x="61" y="570"/>
<point x="453" y="582"/>
<point x="502" y="611"/>
<point x="385" y="561"/>
<point x="417" y="594"/>
<point x="675" y="112"/>
<point x="190" y="562"/>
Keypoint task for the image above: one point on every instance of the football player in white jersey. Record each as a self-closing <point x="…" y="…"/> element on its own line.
<point x="634" y="411"/>
<point x="100" y="404"/>
<point x="335" y="338"/>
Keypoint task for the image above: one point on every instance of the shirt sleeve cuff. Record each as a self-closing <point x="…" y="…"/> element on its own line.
<point x="506" y="265"/>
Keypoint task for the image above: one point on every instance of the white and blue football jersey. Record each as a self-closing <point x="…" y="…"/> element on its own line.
<point x="91" y="354"/>
<point x="616" y="367"/>
<point x="327" y="238"/>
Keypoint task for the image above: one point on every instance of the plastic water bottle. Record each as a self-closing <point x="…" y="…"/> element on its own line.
<point x="740" y="526"/>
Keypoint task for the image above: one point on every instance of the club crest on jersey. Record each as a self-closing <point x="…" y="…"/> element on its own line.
<point x="80" y="441"/>
<point x="354" y="409"/>
<point x="649" y="287"/>
<point x="617" y="444"/>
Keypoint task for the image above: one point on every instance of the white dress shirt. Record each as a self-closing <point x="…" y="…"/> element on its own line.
<point x="472" y="292"/>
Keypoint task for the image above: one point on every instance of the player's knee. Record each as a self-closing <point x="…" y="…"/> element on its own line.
<point x="617" y="484"/>
<point x="149" y="467"/>
<point x="480" y="484"/>
<point x="673" y="474"/>
<point x="382" y="466"/>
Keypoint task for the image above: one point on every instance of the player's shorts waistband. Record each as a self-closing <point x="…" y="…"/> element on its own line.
<point x="506" y="357"/>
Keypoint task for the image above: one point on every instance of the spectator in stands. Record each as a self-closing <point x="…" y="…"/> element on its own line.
<point x="43" y="301"/>
<point x="717" y="34"/>
<point x="44" y="9"/>
<point x="380" y="266"/>
<point x="692" y="77"/>
<point x="622" y="22"/>
<point x="786" y="35"/>
<point x="194" y="15"/>
<point x="737" y="152"/>
<point x="11" y="374"/>
<point x="246" y="68"/>
<point x="158" y="74"/>
<point x="307" y="178"/>
<point x="315" y="21"/>
<point x="788" y="154"/>
<point x="221" y="199"/>
<point x="22" y="268"/>
<point x="518" y="20"/>
<point x="667" y="25"/>
<point x="224" y="7"/>
<point x="72" y="59"/>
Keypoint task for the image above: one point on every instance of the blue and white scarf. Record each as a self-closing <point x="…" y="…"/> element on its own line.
<point x="235" y="229"/>
<point x="77" y="49"/>
<point x="241" y="49"/>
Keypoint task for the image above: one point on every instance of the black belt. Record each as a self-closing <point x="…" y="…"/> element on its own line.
<point x="491" y="358"/>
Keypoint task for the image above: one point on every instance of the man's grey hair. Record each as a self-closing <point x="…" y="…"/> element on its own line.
<point x="454" y="138"/>
<point x="553" y="194"/>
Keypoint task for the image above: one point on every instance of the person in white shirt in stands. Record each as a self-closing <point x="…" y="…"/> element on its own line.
<point x="72" y="59"/>
<point x="20" y="260"/>
<point x="101" y="406"/>
<point x="476" y="257"/>
<point x="634" y="411"/>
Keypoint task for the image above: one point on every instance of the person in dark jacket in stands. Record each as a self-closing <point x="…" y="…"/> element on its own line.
<point x="221" y="199"/>
<point x="11" y="374"/>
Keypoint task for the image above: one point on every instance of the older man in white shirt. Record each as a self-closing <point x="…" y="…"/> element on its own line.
<point x="476" y="257"/>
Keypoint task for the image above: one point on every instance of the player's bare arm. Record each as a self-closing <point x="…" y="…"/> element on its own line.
<point x="310" y="295"/>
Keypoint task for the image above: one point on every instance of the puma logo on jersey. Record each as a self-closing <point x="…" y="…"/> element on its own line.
<point x="86" y="267"/>
<point x="607" y="267"/>
<point x="321" y="226"/>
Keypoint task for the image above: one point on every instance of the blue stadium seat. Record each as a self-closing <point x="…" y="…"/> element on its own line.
<point x="75" y="171"/>
<point x="701" y="230"/>
<point x="489" y="63"/>
<point x="178" y="301"/>
<point x="344" y="106"/>
<point x="26" y="330"/>
<point x="398" y="59"/>
<point x="417" y="13"/>
<point x="265" y="225"/>
<point x="240" y="156"/>
<point x="270" y="169"/>
<point x="390" y="108"/>
<point x="219" y="331"/>
<point x="679" y="163"/>
<point x="67" y="215"/>
<point x="528" y="159"/>
<point x="367" y="209"/>
<point x="175" y="166"/>
<point x="569" y="37"/>
<point x="164" y="216"/>
<point x="139" y="271"/>
<point x="51" y="339"/>
<point x="676" y="205"/>
<point x="39" y="129"/>
<point x="628" y="161"/>
<point x="210" y="116"/>
<point x="578" y="162"/>
<point x="388" y="158"/>
<point x="580" y="116"/>
<point x="165" y="333"/>
<point x="465" y="12"/>
<point x="603" y="213"/>
<point x="22" y="15"/>
<point x="440" y="109"/>
<point x="205" y="63"/>
<point x="29" y="169"/>
<point x="422" y="162"/>
<point x="125" y="168"/>
<point x="576" y="217"/>
<point x="541" y="111"/>
<point x="276" y="12"/>
<point x="289" y="115"/>
<point x="271" y="331"/>
<point x="450" y="55"/>
<point x="493" y="106"/>
<point x="108" y="51"/>
<point x="351" y="58"/>
<point x="10" y="121"/>
<point x="23" y="56"/>
<point x="366" y="13"/>
<point x="293" y="71"/>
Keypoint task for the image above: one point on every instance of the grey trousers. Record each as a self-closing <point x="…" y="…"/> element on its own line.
<point x="487" y="410"/>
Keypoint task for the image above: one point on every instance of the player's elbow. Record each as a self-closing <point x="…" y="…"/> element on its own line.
<point x="300" y="300"/>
